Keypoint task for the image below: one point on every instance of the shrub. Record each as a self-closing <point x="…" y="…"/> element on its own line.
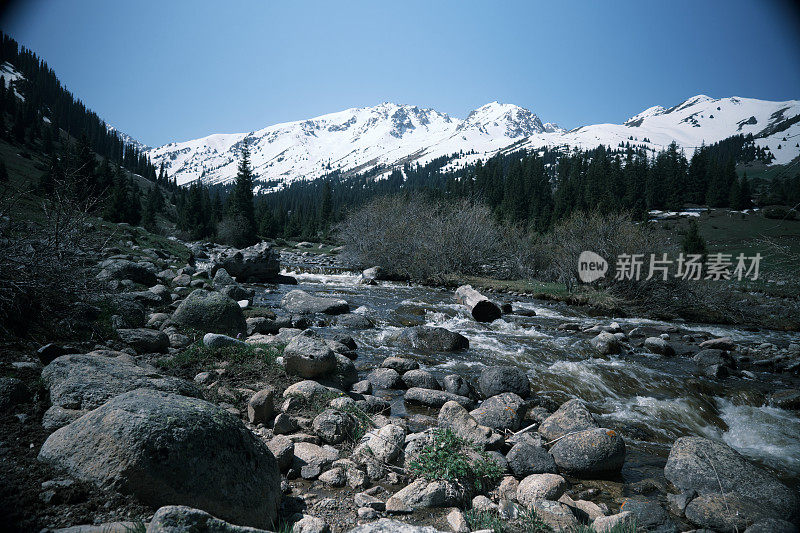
<point x="780" y="212"/>
<point x="448" y="457"/>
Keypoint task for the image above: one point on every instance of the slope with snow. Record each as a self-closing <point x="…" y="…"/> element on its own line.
<point x="388" y="135"/>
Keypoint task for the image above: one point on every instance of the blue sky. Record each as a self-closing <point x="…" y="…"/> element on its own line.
<point x="175" y="70"/>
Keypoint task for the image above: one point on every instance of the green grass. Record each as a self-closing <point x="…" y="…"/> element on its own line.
<point x="137" y="527"/>
<point x="313" y="405"/>
<point x="526" y="522"/>
<point x="450" y="458"/>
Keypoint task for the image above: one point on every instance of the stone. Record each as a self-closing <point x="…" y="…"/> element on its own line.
<point x="155" y="446"/>
<point x="362" y="387"/>
<point x="308" y="356"/>
<point x="456" y="384"/>
<point x="353" y="321"/>
<point x="721" y="343"/>
<point x="786" y="399"/>
<point x="496" y="380"/>
<point x="335" y="477"/>
<point x="659" y="346"/>
<point x="420" y="378"/>
<point x="261" y="407"/>
<point x="310" y="524"/>
<point x="456" y="418"/>
<point x="540" y="487"/>
<point x="772" y="525"/>
<point x="238" y="293"/>
<point x="570" y="417"/>
<point x="727" y="513"/>
<point x="386" y="525"/>
<point x="501" y="412"/>
<point x="435" y="398"/>
<point x="650" y="516"/>
<point x="334" y="426"/>
<point x="283" y="424"/>
<point x="79" y="381"/>
<point x="590" y="452"/>
<point x="311" y="459"/>
<point x="508" y="488"/>
<point x="223" y="279"/>
<point x="255" y="264"/>
<point x="50" y="351"/>
<point x="216" y="340"/>
<point x="210" y="312"/>
<point x="555" y="514"/>
<point x="183" y="519"/>
<point x="283" y="450"/>
<point x="385" y="378"/>
<point x="12" y="392"/>
<point x="144" y="340"/>
<point x="616" y="522"/>
<point x="122" y="269"/>
<point x="606" y="343"/>
<point x="677" y="502"/>
<point x="267" y="326"/>
<point x="423" y="494"/>
<point x="301" y="302"/>
<point x="711" y="357"/>
<point x="308" y="389"/>
<point x="457" y="521"/>
<point x="525" y="459"/>
<point x="400" y="364"/>
<point x="433" y="339"/>
<point x="706" y="466"/>
<point x="58" y="417"/>
<point x="482" y="504"/>
<point x="386" y="443"/>
<point x="363" y="499"/>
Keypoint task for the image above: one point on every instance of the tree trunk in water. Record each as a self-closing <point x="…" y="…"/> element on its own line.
<point x="481" y="308"/>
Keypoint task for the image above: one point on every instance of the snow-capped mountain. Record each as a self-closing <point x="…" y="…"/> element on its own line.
<point x="127" y="139"/>
<point x="388" y="135"/>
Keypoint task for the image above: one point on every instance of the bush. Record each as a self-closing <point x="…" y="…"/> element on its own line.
<point x="448" y="457"/>
<point x="780" y="212"/>
<point x="423" y="239"/>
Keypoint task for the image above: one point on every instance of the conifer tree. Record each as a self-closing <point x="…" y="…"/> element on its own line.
<point x="241" y="219"/>
<point x="693" y="242"/>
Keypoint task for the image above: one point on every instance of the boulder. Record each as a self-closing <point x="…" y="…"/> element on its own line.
<point x="400" y="364"/>
<point x="714" y="357"/>
<point x="540" y="487"/>
<point x="721" y="343"/>
<point x="454" y="417"/>
<point x="144" y="340"/>
<point x="164" y="448"/>
<point x="353" y="321"/>
<point x="386" y="443"/>
<point x="121" y="269"/>
<point x="433" y="339"/>
<point x="707" y="466"/>
<point x="210" y="312"/>
<point x="300" y="302"/>
<point x="334" y="426"/>
<point x="385" y="378"/>
<point x="525" y="459"/>
<point x="659" y="346"/>
<point x="261" y="407"/>
<point x="217" y="340"/>
<point x="255" y="264"/>
<point x="726" y="513"/>
<point x="387" y="525"/>
<point x="267" y="326"/>
<point x="496" y="380"/>
<point x="571" y="416"/>
<point x="310" y="524"/>
<point x="223" y="279"/>
<point x="618" y="522"/>
<point x="420" y="378"/>
<point x="308" y="356"/>
<point x="502" y="412"/>
<point x="456" y="384"/>
<point x="182" y="519"/>
<point x="308" y="389"/>
<point x="591" y="452"/>
<point x="423" y="494"/>
<point x="87" y="381"/>
<point x="237" y="292"/>
<point x="311" y="460"/>
<point x="650" y="515"/>
<point x="283" y="449"/>
<point x="58" y="417"/>
<point x="772" y="525"/>
<point x="435" y="398"/>
<point x="606" y="343"/>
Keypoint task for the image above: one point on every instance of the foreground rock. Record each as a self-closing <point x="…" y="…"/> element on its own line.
<point x="387" y="525"/>
<point x="589" y="453"/>
<point x="210" y="312"/>
<point x="454" y="417"/>
<point x="182" y="519"/>
<point x="433" y="339"/>
<point x="501" y="412"/>
<point x="308" y="356"/>
<point x="300" y="302"/>
<point x="571" y="416"/>
<point x="144" y="340"/>
<point x="496" y="380"/>
<point x="707" y="466"/>
<point x="86" y="381"/>
<point x="169" y="449"/>
<point x="435" y="398"/>
<point x="423" y="494"/>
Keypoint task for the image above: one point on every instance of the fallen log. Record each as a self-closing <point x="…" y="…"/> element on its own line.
<point x="481" y="308"/>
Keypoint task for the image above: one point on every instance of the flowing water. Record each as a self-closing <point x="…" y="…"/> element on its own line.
<point x="652" y="400"/>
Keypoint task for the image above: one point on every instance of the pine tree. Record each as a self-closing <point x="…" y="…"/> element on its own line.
<point x="240" y="210"/>
<point x="693" y="242"/>
<point x="326" y="206"/>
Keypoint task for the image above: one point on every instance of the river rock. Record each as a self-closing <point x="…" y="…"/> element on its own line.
<point x="525" y="459"/>
<point x="454" y="417"/>
<point x="308" y="389"/>
<point x="606" y="343"/>
<point x="433" y="339"/>
<point x="144" y="340"/>
<point x="310" y="524"/>
<point x="728" y="513"/>
<point x="496" y="380"/>
<point x="308" y="356"/>
<point x="423" y="494"/>
<point x="591" y="452"/>
<point x="282" y="448"/>
<point x="711" y="357"/>
<point x="555" y="514"/>
<point x="210" y="312"/>
<point x="267" y="326"/>
<point x="86" y="381"/>
<point x="311" y="460"/>
<point x="223" y="279"/>
<point x="456" y="384"/>
<point x="353" y="321"/>
<point x="502" y="412"/>
<point x="217" y="340"/>
<point x="540" y="487"/>
<point x="155" y="446"/>
<point x="689" y="467"/>
<point x="721" y="343"/>
<point x="255" y="264"/>
<point x="238" y="293"/>
<point x="616" y="522"/>
<point x="385" y="378"/>
<point x="182" y="519"/>
<point x="420" y="378"/>
<point x="571" y="416"/>
<point x="650" y="516"/>
<point x="387" y="525"/>
<point x="400" y="364"/>
<point x="386" y="443"/>
<point x="300" y="302"/>
<point x="659" y="346"/>
<point x="786" y="399"/>
<point x="123" y="269"/>
<point x="334" y="426"/>
<point x="261" y="407"/>
<point x="435" y="398"/>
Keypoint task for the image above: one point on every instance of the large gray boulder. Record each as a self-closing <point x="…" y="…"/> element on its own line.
<point x="423" y="494"/>
<point x="256" y="264"/>
<point x="496" y="380"/>
<point x="300" y="302"/>
<point x="144" y="340"/>
<point x="210" y="312"/>
<point x="707" y="466"/>
<point x="454" y="417"/>
<point x="433" y="339"/>
<point x="503" y="411"/>
<point x="86" y="381"/>
<point x="591" y="452"/>
<point x="334" y="426"/>
<point x="182" y="519"/>
<point x="728" y="513"/>
<point x="168" y="449"/>
<point x="123" y="269"/>
<point x="571" y="416"/>
<point x="435" y="398"/>
<point x="387" y="525"/>
<point x="525" y="458"/>
<point x="308" y="356"/>
<point x="385" y="378"/>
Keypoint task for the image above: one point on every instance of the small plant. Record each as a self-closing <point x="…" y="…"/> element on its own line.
<point x="526" y="522"/>
<point x="479" y="520"/>
<point x="311" y="406"/>
<point x="450" y="458"/>
<point x="137" y="527"/>
<point x="363" y="422"/>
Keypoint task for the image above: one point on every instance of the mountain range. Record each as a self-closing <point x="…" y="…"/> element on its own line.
<point x="388" y="135"/>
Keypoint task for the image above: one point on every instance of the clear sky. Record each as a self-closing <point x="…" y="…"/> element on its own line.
<point x="174" y="70"/>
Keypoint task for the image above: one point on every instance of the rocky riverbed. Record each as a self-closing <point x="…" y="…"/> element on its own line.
<point x="599" y="421"/>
